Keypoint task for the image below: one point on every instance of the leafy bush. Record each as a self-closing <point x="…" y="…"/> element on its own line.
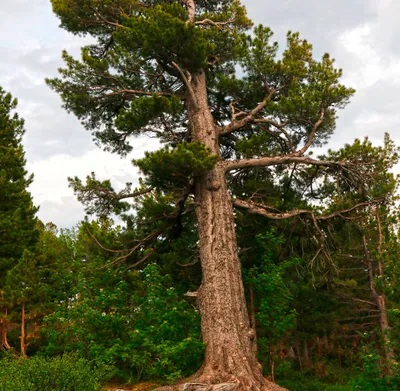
<point x="139" y="323"/>
<point x="371" y="378"/>
<point x="63" y="373"/>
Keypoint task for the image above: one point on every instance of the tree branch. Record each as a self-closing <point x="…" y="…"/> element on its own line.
<point x="186" y="81"/>
<point x="260" y="209"/>
<point x="276" y="160"/>
<point x="103" y="192"/>
<point x="104" y="20"/>
<point x="212" y="23"/>
<point x="307" y="145"/>
<point x="250" y="117"/>
<point x="133" y="92"/>
<point x="191" y="9"/>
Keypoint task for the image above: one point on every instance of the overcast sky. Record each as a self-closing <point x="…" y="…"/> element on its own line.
<point x="361" y="34"/>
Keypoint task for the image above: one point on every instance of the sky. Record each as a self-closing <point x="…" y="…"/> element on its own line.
<point x="362" y="35"/>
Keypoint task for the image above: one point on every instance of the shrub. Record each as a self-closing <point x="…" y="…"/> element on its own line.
<point x="63" y="373"/>
<point x="371" y="378"/>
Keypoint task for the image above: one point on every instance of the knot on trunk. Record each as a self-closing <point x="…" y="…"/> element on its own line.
<point x="252" y="333"/>
<point x="213" y="185"/>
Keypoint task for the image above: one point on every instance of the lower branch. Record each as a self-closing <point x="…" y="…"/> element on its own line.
<point x="261" y="210"/>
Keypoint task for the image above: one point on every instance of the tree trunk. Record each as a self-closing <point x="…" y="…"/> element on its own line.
<point x="307" y="363"/>
<point x="380" y="303"/>
<point x="4" y="340"/>
<point x="381" y="299"/>
<point x="24" y="346"/>
<point x="229" y="355"/>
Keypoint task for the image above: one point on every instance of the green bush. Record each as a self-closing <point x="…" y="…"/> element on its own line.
<point x="371" y="378"/>
<point x="63" y="373"/>
<point x="143" y="327"/>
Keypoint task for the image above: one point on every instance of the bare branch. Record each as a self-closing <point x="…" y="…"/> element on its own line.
<point x="189" y="263"/>
<point x="307" y="145"/>
<point x="276" y="160"/>
<point x="132" y="92"/>
<point x="210" y="22"/>
<point x="105" y="248"/>
<point x="104" y="20"/>
<point x="254" y="208"/>
<point x="250" y="117"/>
<point x="152" y="236"/>
<point x="186" y="81"/>
<point x="147" y="256"/>
<point x="260" y="209"/>
<point x="345" y="296"/>
<point x="102" y="191"/>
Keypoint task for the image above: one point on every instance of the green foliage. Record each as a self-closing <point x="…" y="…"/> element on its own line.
<point x="372" y="377"/>
<point x="17" y="212"/>
<point x="289" y="377"/>
<point x="66" y="373"/>
<point x="143" y="111"/>
<point x="275" y="315"/>
<point x="136" y="321"/>
<point x="174" y="169"/>
<point x="378" y="179"/>
<point x="167" y="328"/>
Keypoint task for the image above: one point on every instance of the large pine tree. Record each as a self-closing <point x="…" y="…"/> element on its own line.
<point x="229" y="108"/>
<point x="17" y="213"/>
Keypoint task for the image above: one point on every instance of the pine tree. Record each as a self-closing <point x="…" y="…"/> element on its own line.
<point x="18" y="231"/>
<point x="229" y="109"/>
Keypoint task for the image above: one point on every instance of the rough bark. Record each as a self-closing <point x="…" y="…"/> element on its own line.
<point x="229" y="356"/>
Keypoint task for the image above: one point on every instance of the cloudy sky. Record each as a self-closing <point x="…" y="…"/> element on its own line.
<point x="361" y="34"/>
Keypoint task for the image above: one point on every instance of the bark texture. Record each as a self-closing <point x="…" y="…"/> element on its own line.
<point x="230" y="354"/>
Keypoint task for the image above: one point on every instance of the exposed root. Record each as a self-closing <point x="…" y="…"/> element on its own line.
<point x="234" y="384"/>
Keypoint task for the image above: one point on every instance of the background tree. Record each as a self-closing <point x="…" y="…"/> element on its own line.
<point x="169" y="68"/>
<point x="18" y="231"/>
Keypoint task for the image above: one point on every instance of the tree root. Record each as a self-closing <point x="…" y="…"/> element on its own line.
<point x="234" y="385"/>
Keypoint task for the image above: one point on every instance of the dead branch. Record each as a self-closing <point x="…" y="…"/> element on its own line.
<point x="307" y="145"/>
<point x="186" y="80"/>
<point x="209" y="22"/>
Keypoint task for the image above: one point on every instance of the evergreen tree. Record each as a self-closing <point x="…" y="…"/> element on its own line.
<point x="169" y="69"/>
<point x="18" y="231"/>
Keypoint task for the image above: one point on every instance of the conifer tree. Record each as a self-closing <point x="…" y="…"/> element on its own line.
<point x="169" y="69"/>
<point x="18" y="231"/>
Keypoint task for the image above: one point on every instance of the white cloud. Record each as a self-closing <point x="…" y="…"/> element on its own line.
<point x="50" y="187"/>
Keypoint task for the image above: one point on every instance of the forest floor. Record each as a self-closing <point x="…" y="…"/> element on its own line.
<point x="146" y="386"/>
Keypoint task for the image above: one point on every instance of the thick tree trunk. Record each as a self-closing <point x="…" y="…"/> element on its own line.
<point x="229" y="356"/>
